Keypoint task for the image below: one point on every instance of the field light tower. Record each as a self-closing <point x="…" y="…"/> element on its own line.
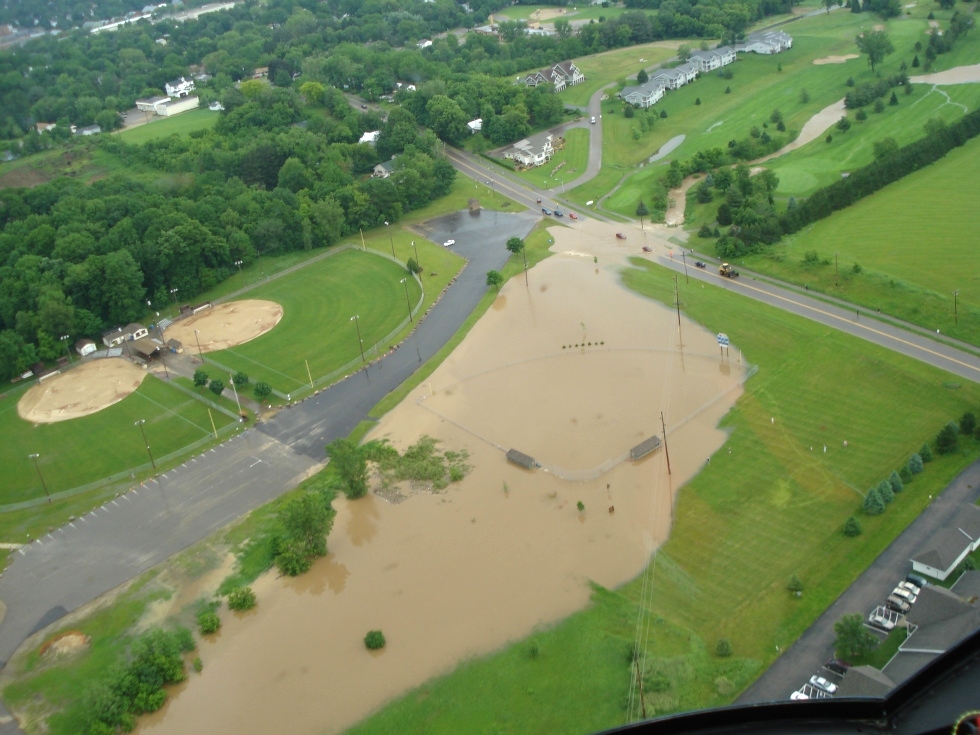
<point x="173" y="294"/>
<point x="360" y="344"/>
<point x="388" y="227"/>
<point x="239" y="264"/>
<point x="36" y="467"/>
<point x="407" y="300"/>
<point x="140" y="423"/>
<point x="65" y="338"/>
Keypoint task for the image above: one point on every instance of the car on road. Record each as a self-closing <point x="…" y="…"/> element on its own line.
<point x="915" y="579"/>
<point x="593" y="119"/>
<point x="897" y="604"/>
<point x="647" y="249"/>
<point x="545" y="210"/>
<point x="620" y="236"/>
<point x="904" y="594"/>
<point x="910" y="587"/>
<point x="558" y="213"/>
<point x="837" y="666"/>
<point x="363" y="106"/>
<point x="820" y="683"/>
<point x="572" y="215"/>
<point x="448" y="243"/>
<point x="700" y="264"/>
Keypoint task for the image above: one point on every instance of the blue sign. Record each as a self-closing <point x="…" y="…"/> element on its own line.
<point x="722" y="339"/>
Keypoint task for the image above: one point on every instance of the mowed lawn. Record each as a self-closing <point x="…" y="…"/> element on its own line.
<point x="84" y="450"/>
<point x="772" y="508"/>
<point x="318" y="302"/>
<point x="181" y="124"/>
<point x="915" y="241"/>
<point x="575" y="156"/>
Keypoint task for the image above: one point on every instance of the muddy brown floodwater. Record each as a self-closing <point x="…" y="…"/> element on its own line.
<point x="457" y="574"/>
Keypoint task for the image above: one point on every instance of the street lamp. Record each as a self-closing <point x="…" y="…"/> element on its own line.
<point x="65" y="338"/>
<point x="360" y="344"/>
<point x="173" y="293"/>
<point x="956" y="319"/>
<point x="407" y="300"/>
<point x="417" y="258"/>
<point x="140" y="423"/>
<point x="199" y="351"/>
<point x="43" y="483"/>
<point x="390" y="240"/>
<point x="493" y="189"/>
<point x="239" y="264"/>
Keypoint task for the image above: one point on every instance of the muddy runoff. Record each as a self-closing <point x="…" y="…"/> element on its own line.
<point x="461" y="573"/>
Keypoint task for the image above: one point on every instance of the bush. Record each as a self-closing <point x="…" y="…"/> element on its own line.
<point x="580" y="505"/>
<point x="374" y="640"/>
<point x="873" y="504"/>
<point x="968" y="424"/>
<point x="723" y="648"/>
<point x="905" y="474"/>
<point x="795" y="585"/>
<point x="216" y="386"/>
<point x="852" y="527"/>
<point x="291" y="560"/>
<point x="262" y="390"/>
<point x="885" y="492"/>
<point x="198" y="664"/>
<point x="208" y="621"/>
<point x="895" y="480"/>
<point x="658" y="682"/>
<point x="946" y="438"/>
<point x="200" y="378"/>
<point x="241" y="598"/>
<point x="926" y="453"/>
<point x="915" y="464"/>
<point x="240" y="379"/>
<point x="705" y="231"/>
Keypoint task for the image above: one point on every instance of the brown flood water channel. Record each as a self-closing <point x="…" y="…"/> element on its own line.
<point x="461" y="573"/>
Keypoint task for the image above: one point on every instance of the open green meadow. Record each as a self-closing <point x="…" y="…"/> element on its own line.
<point x="915" y="242"/>
<point x="186" y="122"/>
<point x="72" y="457"/>
<point x="748" y="521"/>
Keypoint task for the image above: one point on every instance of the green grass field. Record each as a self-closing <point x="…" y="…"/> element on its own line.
<point x="72" y="457"/>
<point x="181" y="124"/>
<point x="743" y="526"/>
<point x="915" y="242"/>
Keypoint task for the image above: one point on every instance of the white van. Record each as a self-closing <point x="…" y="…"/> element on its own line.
<point x="593" y="119"/>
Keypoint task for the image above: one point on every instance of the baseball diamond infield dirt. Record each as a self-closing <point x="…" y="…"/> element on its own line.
<point x="85" y="390"/>
<point x="227" y="325"/>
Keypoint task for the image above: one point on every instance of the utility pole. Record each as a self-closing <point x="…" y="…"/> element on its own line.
<point x="417" y="259"/>
<point x="407" y="300"/>
<point x="836" y="271"/>
<point x="687" y="278"/>
<point x="43" y="483"/>
<point x="639" y="679"/>
<point x="360" y="344"/>
<point x="239" y="264"/>
<point x="677" y="303"/>
<point x="956" y="319"/>
<point x="145" y="442"/>
<point x="524" y="253"/>
<point x="666" y="451"/>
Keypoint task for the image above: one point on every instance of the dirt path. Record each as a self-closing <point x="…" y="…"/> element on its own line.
<point x="678" y="201"/>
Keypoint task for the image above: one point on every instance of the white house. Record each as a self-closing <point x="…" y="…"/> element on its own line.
<point x="950" y="546"/>
<point x="177" y="106"/>
<point x="383" y="170"/>
<point x="527" y="154"/>
<point x="645" y="94"/>
<point x="475" y="126"/>
<point x="712" y="58"/>
<point x="766" y="42"/>
<point x="424" y="44"/>
<point x="370" y="137"/>
<point x="677" y="77"/>
<point x="151" y="104"/>
<point x="179" y="87"/>
<point x="84" y="347"/>
<point x="563" y="74"/>
<point x="216" y="106"/>
<point x="115" y="337"/>
<point x="88" y="130"/>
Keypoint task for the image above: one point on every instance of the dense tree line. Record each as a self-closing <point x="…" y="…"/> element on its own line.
<point x="76" y="259"/>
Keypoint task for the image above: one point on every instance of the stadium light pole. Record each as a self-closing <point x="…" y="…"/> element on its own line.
<point x="43" y="483"/>
<point x="956" y="319"/>
<point x="360" y="344"/>
<point x="417" y="258"/>
<point x="173" y="293"/>
<point x="199" y="351"/>
<point x="388" y="227"/>
<point x="407" y="300"/>
<point x="239" y="264"/>
<point x="493" y="189"/>
<point x="140" y="423"/>
<point x="231" y="379"/>
<point x="65" y="338"/>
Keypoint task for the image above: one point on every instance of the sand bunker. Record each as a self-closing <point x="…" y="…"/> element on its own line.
<point x="959" y="75"/>
<point x="835" y="59"/>
<point x="79" y="392"/>
<point x="459" y="574"/>
<point x="226" y="325"/>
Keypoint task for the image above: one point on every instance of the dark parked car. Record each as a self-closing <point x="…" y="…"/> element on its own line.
<point x="897" y="604"/>
<point x="837" y="666"/>
<point x="647" y="249"/>
<point x="620" y="236"/>
<point x="915" y="579"/>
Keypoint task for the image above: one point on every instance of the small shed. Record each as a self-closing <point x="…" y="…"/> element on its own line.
<point x="521" y="459"/>
<point x="474" y="205"/>
<point x="644" y="448"/>
<point x="146" y="348"/>
<point x="84" y="347"/>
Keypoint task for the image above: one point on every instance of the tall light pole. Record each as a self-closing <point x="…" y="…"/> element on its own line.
<point x="388" y="227"/>
<point x="524" y="253"/>
<point x="65" y="338"/>
<point x="493" y="189"/>
<point x="687" y="278"/>
<point x="43" y="483"/>
<point x="239" y="264"/>
<point x="956" y="319"/>
<point x="140" y="423"/>
<point x="417" y="258"/>
<point x="360" y="344"/>
<point x="173" y="294"/>
<point x="231" y="379"/>
<point x="199" y="351"/>
<point x="407" y="300"/>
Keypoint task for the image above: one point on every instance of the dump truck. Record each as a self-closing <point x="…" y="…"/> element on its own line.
<point x="727" y="271"/>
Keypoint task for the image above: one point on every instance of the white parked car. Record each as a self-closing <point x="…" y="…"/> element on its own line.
<point x="798" y="695"/>
<point x="904" y="594"/>
<point x="881" y="622"/>
<point x="820" y="683"/>
<point x="448" y="243"/>
<point x="910" y="587"/>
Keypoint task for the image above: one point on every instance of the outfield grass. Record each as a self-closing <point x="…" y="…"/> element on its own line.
<point x="743" y="526"/>
<point x="71" y="458"/>
<point x="575" y="155"/>
<point x="910" y="266"/>
<point x="186" y="122"/>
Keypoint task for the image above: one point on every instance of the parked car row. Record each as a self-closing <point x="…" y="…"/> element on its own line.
<point x="898" y="603"/>
<point x="816" y="688"/>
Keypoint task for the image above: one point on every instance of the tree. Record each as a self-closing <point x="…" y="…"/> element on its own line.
<point x="413" y="266"/>
<point x="723" y="648"/>
<point x="879" y="106"/>
<point x="804" y="96"/>
<point x="241" y="598"/>
<point x="876" y="45"/>
<point x="915" y="62"/>
<point x="446" y="118"/>
<point x="495" y="279"/>
<point x="853" y="639"/>
<point x="968" y="424"/>
<point x="895" y="480"/>
<point x="946" y="439"/>
<point x="884" y="148"/>
<point x="216" y="386"/>
<point x="873" y="504"/>
<point x="926" y="453"/>
<point x="885" y="492"/>
<point x="306" y="521"/>
<point x="893" y="100"/>
<point x="350" y="463"/>
<point x="374" y="640"/>
<point x="240" y="379"/>
<point x="861" y="115"/>
<point x="642" y="77"/>
<point x="843" y="124"/>
<point x="208" y="621"/>
<point x="200" y="378"/>
<point x="641" y="212"/>
<point x="946" y="4"/>
<point x="915" y="464"/>
<point x="852" y="527"/>
<point x="795" y="585"/>
<point x="905" y="475"/>
<point x="515" y="245"/>
<point x="262" y="390"/>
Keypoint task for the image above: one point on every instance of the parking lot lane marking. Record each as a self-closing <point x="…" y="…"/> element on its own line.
<point x="21" y="551"/>
<point x="71" y="524"/>
<point x="114" y="502"/>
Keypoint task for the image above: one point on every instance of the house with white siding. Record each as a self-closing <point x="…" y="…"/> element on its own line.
<point x="713" y="58"/>
<point x="644" y="95"/>
<point x="766" y="42"/>
<point x="562" y="75"/>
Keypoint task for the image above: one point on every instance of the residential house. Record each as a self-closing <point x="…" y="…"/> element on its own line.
<point x="713" y="58"/>
<point x="864" y="681"/>
<point x="563" y="74"/>
<point x="179" y="87"/>
<point x="84" y="347"/>
<point x="424" y="44"/>
<point x="177" y="106"/>
<point x="645" y="94"/>
<point x="488" y="30"/>
<point x="370" y="137"/>
<point x="383" y="170"/>
<point x="262" y="71"/>
<point x="766" y="42"/>
<point x="528" y="155"/>
<point x="136" y="330"/>
<point x="151" y="104"/>
<point x="678" y="76"/>
<point x="43" y="126"/>
<point x="475" y="126"/>
<point x="216" y="106"/>
<point x="950" y="546"/>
